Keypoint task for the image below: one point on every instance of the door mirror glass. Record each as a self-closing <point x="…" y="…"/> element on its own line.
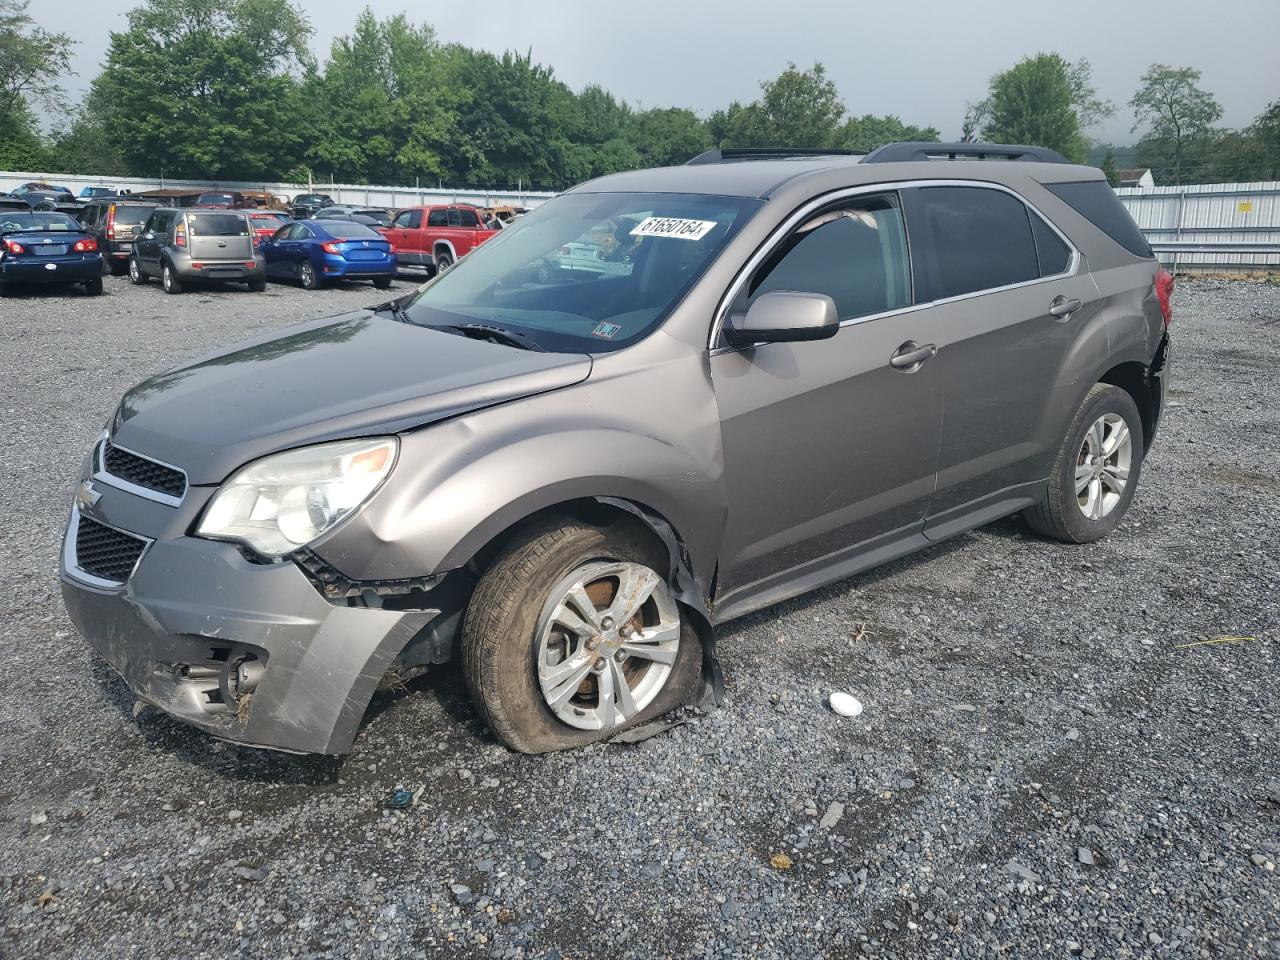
<point x="136" y="228"/>
<point x="783" y="316"/>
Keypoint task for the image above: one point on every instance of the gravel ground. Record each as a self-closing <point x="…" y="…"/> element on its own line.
<point x="1044" y="768"/>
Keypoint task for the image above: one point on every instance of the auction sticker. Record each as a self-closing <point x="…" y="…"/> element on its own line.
<point x="606" y="329"/>
<point x="673" y="227"/>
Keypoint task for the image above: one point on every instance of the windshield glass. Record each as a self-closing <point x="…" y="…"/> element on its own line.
<point x="380" y="216"/>
<point x="586" y="271"/>
<point x="11" y="221"/>
<point x="215" y="198"/>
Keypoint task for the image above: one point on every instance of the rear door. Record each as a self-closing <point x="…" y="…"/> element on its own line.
<point x="1010" y="298"/>
<point x="149" y="242"/>
<point x="219" y="236"/>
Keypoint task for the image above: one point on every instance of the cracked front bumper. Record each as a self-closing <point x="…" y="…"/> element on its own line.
<point x="193" y="608"/>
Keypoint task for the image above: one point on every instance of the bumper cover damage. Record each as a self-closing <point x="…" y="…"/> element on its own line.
<point x="279" y="666"/>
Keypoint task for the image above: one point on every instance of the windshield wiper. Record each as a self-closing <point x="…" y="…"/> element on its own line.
<point x="485" y="331"/>
<point x="393" y="307"/>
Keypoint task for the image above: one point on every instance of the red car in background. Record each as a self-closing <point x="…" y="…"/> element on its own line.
<point x="264" y="223"/>
<point x="436" y="237"/>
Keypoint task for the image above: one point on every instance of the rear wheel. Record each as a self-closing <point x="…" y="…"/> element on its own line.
<point x="1096" y="471"/>
<point x="444" y="260"/>
<point x="93" y="287"/>
<point x="307" y="275"/>
<point x="169" y="279"/>
<point x="116" y="268"/>
<point x="382" y="283"/>
<point x="135" y="272"/>
<point x="258" y="284"/>
<point x="572" y="635"/>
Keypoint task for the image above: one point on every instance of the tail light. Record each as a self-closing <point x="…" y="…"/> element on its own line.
<point x="330" y="247"/>
<point x="14" y="247"/>
<point x="111" y="222"/>
<point x="87" y="245"/>
<point x="1164" y="293"/>
<point x="180" y="235"/>
<point x="391" y="247"/>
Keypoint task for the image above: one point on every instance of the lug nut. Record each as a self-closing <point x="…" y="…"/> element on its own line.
<point x="620" y="656"/>
<point x="598" y="666"/>
<point x="606" y="623"/>
<point x="593" y="642"/>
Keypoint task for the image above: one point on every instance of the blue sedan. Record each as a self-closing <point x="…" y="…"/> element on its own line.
<point x="45" y="247"/>
<point x="313" y="251"/>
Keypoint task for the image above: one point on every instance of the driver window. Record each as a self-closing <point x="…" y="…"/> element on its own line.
<point x="855" y="253"/>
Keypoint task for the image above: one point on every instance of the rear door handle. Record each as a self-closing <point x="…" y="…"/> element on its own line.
<point x="910" y="355"/>
<point x="1063" y="308"/>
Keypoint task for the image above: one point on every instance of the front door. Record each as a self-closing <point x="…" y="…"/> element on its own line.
<point x="830" y="448"/>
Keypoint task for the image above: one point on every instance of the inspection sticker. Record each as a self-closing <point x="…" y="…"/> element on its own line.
<point x="673" y="227"/>
<point x="606" y="329"/>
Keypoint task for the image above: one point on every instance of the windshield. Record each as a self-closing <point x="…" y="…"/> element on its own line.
<point x="586" y="272"/>
<point x="11" y="222"/>
<point x="379" y="216"/>
<point x="215" y="198"/>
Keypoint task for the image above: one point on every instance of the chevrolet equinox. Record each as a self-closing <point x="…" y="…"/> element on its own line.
<point x="662" y="400"/>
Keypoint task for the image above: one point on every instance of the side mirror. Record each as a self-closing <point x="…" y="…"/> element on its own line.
<point x="136" y="228"/>
<point x="784" y="316"/>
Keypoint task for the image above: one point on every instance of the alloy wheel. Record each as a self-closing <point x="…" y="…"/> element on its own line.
<point x="1102" y="466"/>
<point x="606" y="642"/>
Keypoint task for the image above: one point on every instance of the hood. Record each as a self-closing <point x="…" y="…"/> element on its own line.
<point x="357" y="374"/>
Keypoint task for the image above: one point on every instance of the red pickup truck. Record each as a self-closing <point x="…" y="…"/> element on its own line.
<point x="435" y="237"/>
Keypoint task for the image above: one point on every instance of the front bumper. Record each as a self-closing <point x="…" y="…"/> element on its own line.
<point x="194" y="612"/>
<point x="77" y="269"/>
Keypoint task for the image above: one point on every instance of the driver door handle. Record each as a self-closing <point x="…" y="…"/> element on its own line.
<point x="1062" y="308"/>
<point x="910" y="355"/>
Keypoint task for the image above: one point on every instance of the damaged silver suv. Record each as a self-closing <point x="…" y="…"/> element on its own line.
<point x="658" y="402"/>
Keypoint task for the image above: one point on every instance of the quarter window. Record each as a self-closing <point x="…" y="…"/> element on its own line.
<point x="468" y="218"/>
<point x="455" y="218"/>
<point x="855" y="253"/>
<point x="981" y="239"/>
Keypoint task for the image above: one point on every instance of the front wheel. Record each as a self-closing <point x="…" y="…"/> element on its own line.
<point x="169" y="279"/>
<point x="1096" y="470"/>
<point x="572" y="634"/>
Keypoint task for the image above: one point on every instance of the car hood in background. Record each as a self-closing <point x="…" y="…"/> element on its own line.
<point x="357" y="374"/>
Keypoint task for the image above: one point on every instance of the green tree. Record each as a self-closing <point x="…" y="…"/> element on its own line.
<point x="1174" y="110"/>
<point x="1109" y="168"/>
<point x="796" y="109"/>
<point x="666" y="137"/>
<point x="1265" y="134"/>
<point x="205" y="88"/>
<point x="864" y="134"/>
<point x="32" y="61"/>
<point x="384" y="110"/>
<point x="88" y="145"/>
<point x="1033" y="102"/>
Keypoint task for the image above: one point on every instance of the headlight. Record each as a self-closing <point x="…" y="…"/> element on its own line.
<point x="283" y="502"/>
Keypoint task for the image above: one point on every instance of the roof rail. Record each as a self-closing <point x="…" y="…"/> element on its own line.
<point x="725" y="154"/>
<point x="920" y="150"/>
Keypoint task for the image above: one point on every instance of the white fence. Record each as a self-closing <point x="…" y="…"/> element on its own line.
<point x="1211" y="227"/>
<point x="361" y="194"/>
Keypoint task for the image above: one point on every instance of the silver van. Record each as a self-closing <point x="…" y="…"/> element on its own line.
<point x="189" y="246"/>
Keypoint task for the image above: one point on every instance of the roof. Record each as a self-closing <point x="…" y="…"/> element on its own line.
<point x="765" y="178"/>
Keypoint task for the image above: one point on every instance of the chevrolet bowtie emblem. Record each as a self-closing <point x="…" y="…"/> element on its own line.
<point x="87" y="496"/>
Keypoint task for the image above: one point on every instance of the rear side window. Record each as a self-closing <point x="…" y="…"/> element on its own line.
<point x="1096" y="202"/>
<point x="856" y="254"/>
<point x="438" y="218"/>
<point x="455" y="219"/>
<point x="469" y="218"/>
<point x="1053" y="254"/>
<point x="981" y="240"/>
<point x="217" y="225"/>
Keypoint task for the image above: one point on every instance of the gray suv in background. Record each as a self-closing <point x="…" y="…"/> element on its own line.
<point x="785" y="369"/>
<point x="181" y="246"/>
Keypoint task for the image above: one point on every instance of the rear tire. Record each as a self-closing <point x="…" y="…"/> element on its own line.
<point x="258" y="284"/>
<point x="136" y="275"/>
<point x="444" y="260"/>
<point x="307" y="276"/>
<point x="93" y="287"/>
<point x="1096" y="471"/>
<point x="117" y="269"/>
<point x="169" y="279"/>
<point x="508" y="617"/>
<point x="382" y="283"/>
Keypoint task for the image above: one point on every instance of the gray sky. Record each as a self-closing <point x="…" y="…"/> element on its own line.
<point x="919" y="59"/>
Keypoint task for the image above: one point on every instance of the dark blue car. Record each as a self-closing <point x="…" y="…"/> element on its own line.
<point x="46" y="247"/>
<point x="313" y="251"/>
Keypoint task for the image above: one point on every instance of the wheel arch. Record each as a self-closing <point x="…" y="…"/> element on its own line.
<point x="1134" y="378"/>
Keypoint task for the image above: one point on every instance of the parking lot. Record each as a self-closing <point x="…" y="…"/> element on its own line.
<point x="1051" y="762"/>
